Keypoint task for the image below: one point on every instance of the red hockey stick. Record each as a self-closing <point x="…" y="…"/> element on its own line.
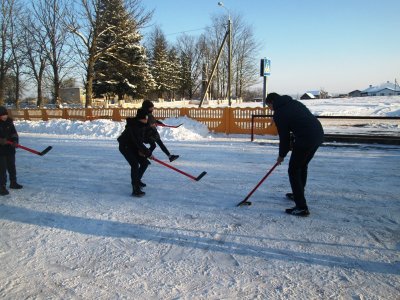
<point x="31" y="150"/>
<point x="169" y="126"/>
<point x="244" y="201"/>
<point x="179" y="171"/>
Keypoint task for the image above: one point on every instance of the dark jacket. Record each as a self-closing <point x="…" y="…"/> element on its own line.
<point x="8" y="132"/>
<point x="133" y="136"/>
<point x="293" y="116"/>
<point x="151" y="133"/>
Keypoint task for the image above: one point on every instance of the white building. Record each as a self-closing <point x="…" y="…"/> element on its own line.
<point x="386" y="89"/>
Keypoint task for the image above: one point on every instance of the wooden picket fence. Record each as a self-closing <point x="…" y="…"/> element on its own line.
<point x="223" y="120"/>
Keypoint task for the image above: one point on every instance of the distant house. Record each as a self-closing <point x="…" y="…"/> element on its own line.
<point x="72" y="95"/>
<point x="355" y="93"/>
<point x="387" y="92"/>
<point x="307" y="96"/>
<point x="386" y="89"/>
<point x="321" y="94"/>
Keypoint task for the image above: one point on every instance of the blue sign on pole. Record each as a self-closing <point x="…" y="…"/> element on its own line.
<point x="265" y="67"/>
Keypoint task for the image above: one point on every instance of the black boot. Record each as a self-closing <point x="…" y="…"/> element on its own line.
<point x="298" y="211"/>
<point x="3" y="190"/>
<point x="15" y="185"/>
<point x="173" y="157"/>
<point x="137" y="192"/>
<point x="142" y="184"/>
<point x="290" y="196"/>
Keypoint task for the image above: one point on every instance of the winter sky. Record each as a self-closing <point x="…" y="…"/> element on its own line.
<point x="337" y="45"/>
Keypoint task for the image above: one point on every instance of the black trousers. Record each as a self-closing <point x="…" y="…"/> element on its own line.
<point x="7" y="163"/>
<point x="161" y="145"/>
<point x="138" y="164"/>
<point x="298" y="168"/>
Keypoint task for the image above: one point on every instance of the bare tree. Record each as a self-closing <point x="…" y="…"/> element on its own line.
<point x="6" y="15"/>
<point x="16" y="40"/>
<point x="244" y="47"/>
<point x="215" y="36"/>
<point x="35" y="53"/>
<point x="16" y="57"/>
<point x="244" y="70"/>
<point x="86" y="25"/>
<point x="50" y="15"/>
<point x="190" y="54"/>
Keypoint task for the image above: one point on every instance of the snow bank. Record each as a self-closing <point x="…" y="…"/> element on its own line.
<point x="361" y="106"/>
<point x="190" y="130"/>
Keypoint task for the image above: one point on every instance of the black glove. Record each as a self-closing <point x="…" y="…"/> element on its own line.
<point x="145" y="153"/>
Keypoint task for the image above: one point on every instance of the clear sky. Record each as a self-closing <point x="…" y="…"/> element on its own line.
<point x="337" y="45"/>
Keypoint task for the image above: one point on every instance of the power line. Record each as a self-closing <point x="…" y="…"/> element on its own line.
<point x="189" y="30"/>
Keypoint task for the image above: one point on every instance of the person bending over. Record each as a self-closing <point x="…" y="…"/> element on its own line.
<point x="293" y="117"/>
<point x="131" y="146"/>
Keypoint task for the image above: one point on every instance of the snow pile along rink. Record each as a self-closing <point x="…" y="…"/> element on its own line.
<point x="190" y="130"/>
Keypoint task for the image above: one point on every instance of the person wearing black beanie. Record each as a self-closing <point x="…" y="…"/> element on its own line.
<point x="152" y="136"/>
<point x="8" y="140"/>
<point x="292" y="117"/>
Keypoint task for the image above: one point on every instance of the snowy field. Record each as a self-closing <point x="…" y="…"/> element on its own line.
<point x="74" y="231"/>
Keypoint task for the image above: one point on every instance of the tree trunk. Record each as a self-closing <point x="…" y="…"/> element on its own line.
<point x="39" y="101"/>
<point x="1" y="89"/>
<point x="89" y="82"/>
<point x="2" y="77"/>
<point x="56" y="83"/>
<point x="17" y="86"/>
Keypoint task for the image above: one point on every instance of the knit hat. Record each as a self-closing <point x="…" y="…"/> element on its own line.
<point x="141" y="114"/>
<point x="3" y="111"/>
<point x="147" y="104"/>
<point x="271" y="98"/>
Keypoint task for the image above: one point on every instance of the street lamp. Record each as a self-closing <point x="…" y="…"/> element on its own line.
<point x="229" y="51"/>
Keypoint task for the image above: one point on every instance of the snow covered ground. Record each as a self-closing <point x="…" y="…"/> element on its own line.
<point x="74" y="231"/>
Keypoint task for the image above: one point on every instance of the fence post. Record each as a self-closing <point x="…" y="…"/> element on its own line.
<point x="65" y="114"/>
<point x="88" y="114"/>
<point x="44" y="115"/>
<point x="184" y="112"/>
<point x="116" y="116"/>
<point x="228" y="112"/>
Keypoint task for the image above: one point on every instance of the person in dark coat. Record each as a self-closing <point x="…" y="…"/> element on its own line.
<point x="293" y="118"/>
<point x="152" y="135"/>
<point x="8" y="133"/>
<point x="131" y="146"/>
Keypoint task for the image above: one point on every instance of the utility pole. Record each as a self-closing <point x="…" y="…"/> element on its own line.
<point x="229" y="60"/>
<point x="229" y="32"/>
<point x="228" y="36"/>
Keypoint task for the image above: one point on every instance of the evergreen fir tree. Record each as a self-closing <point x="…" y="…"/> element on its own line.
<point x="159" y="63"/>
<point x="123" y="70"/>
<point x="173" y="70"/>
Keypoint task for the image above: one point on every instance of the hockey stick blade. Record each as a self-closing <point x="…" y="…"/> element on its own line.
<point x="201" y="175"/>
<point x="45" y="150"/>
<point x="169" y="126"/>
<point x="244" y="203"/>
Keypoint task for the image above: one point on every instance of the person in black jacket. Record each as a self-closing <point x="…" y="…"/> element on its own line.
<point x="152" y="136"/>
<point x="135" y="152"/>
<point x="293" y="117"/>
<point x="8" y="139"/>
